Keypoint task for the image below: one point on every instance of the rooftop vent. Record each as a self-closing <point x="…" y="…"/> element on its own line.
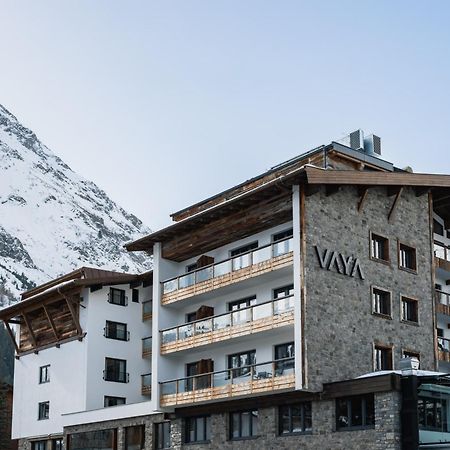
<point x="370" y="145"/>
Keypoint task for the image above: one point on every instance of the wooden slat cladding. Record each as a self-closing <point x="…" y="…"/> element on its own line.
<point x="42" y="329"/>
<point x="232" y="227"/>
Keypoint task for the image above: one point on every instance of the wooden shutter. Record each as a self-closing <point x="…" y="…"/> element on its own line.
<point x="204" y="311"/>
<point x="204" y="260"/>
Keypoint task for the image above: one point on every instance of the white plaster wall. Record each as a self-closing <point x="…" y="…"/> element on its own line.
<point x="66" y="390"/>
<point x="100" y="347"/>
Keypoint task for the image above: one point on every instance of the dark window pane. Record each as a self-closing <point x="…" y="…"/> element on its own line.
<point x="98" y="440"/>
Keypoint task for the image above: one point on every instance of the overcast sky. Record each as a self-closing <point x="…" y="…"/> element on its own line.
<point x="163" y="103"/>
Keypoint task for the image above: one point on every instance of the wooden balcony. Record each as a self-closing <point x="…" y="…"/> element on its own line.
<point x="231" y="383"/>
<point x="147" y="347"/>
<point x="442" y="302"/>
<point x="254" y="319"/>
<point x="442" y="256"/>
<point x="146" y="384"/>
<point x="147" y="310"/>
<point x="233" y="270"/>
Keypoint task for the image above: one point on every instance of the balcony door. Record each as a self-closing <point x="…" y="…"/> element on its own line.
<point x="238" y="305"/>
<point x="285" y="353"/>
<point x="197" y="368"/>
<point x="241" y="363"/>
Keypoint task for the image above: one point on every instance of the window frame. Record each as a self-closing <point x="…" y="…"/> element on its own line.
<point x="123" y="297"/>
<point x="206" y="426"/>
<point x="364" y="400"/>
<point x="57" y="441"/>
<point x="35" y="444"/>
<point x="286" y="288"/>
<point x="44" y="410"/>
<point x="300" y="405"/>
<point x="107" y="333"/>
<point x="239" y="368"/>
<point x="240" y="413"/>
<point x="386" y="240"/>
<point x="412" y="353"/>
<point x="135" y="295"/>
<point x="415" y="301"/>
<point x="47" y="374"/>
<point x="126" y="439"/>
<point x="401" y="244"/>
<point x="126" y="375"/>
<point x="110" y="397"/>
<point x="372" y="299"/>
<point x="390" y="348"/>
<point x="157" y="433"/>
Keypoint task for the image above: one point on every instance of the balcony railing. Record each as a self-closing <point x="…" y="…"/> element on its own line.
<point x="229" y="265"/>
<point x="441" y="251"/>
<point x="118" y="334"/>
<point x="147" y="310"/>
<point x="230" y="382"/>
<point x="146" y="384"/>
<point x="146" y="347"/>
<point x="224" y="321"/>
<point x="118" y="377"/>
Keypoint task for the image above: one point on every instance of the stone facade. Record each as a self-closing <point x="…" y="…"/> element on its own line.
<point x="6" y="394"/>
<point x="340" y="329"/>
<point x="384" y="436"/>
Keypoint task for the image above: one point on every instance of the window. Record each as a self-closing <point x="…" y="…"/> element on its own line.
<point x="162" y="435"/>
<point x="100" y="440"/>
<point x="407" y="257"/>
<point x="355" y="412"/>
<point x="295" y="419"/>
<point x="191" y="317"/>
<point x="197" y="429"/>
<point x="242" y="316"/>
<point x="383" y="357"/>
<point x="191" y="267"/>
<point x="57" y="444"/>
<point x="117" y="297"/>
<point x="113" y="401"/>
<point x="379" y="247"/>
<point x="284" y="351"/>
<point x="281" y="242"/>
<point x="116" y="330"/>
<point x="241" y="256"/>
<point x="438" y="227"/>
<point x="135" y="295"/>
<point x="39" y="445"/>
<point x="243" y="424"/>
<point x="381" y="302"/>
<point x="284" y="291"/>
<point x="410" y="354"/>
<point x="115" y="370"/>
<point x="135" y="438"/>
<point x="432" y="414"/>
<point x="43" y="410"/>
<point x="44" y="374"/>
<point x="410" y="310"/>
<point x="242" y="362"/>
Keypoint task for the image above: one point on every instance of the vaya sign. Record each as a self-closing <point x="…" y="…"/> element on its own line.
<point x="333" y="260"/>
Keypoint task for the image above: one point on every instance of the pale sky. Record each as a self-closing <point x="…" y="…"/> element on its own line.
<point x="164" y="103"/>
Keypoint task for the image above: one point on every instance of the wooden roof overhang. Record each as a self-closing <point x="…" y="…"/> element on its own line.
<point x="271" y="204"/>
<point x="49" y="314"/>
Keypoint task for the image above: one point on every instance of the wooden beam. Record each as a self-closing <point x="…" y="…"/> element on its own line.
<point x="395" y="203"/>
<point x="30" y="330"/>
<point x="362" y="191"/>
<point x="13" y="338"/>
<point x="50" y="321"/>
<point x="74" y="316"/>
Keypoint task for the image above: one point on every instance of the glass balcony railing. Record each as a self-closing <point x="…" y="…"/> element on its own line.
<point x="441" y="251"/>
<point x="442" y="298"/>
<point x="215" y="270"/>
<point x="146" y="346"/>
<point x="444" y="344"/>
<point x="250" y="314"/>
<point x="267" y="371"/>
<point x="147" y="310"/>
<point x="146" y="384"/>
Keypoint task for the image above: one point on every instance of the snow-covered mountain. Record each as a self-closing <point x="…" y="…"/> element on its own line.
<point x="52" y="220"/>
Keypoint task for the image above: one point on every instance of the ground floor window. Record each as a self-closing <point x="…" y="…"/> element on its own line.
<point x="113" y="401"/>
<point x="39" y="445"/>
<point x="355" y="412"/>
<point x="244" y="424"/>
<point x="57" y="444"/>
<point x="135" y="438"/>
<point x="295" y="419"/>
<point x="197" y="429"/>
<point x="162" y="435"/>
<point x="98" y="440"/>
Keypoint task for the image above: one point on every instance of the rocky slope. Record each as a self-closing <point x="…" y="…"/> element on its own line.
<point x="52" y="220"/>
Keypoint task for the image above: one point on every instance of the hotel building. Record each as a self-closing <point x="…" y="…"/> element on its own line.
<point x="278" y="315"/>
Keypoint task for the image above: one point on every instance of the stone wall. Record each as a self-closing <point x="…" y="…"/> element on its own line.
<point x="340" y="329"/>
<point x="5" y="418"/>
